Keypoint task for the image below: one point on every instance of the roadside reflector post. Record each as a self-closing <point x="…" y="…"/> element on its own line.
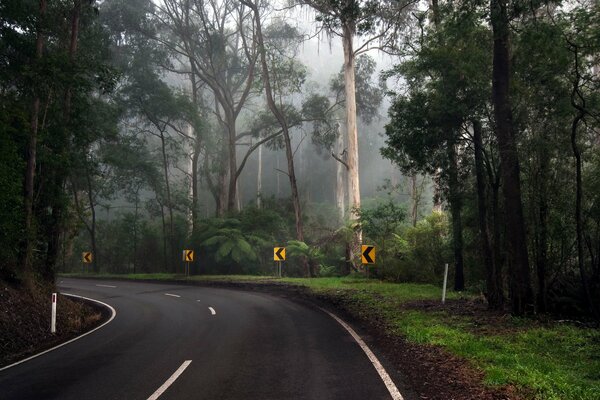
<point x="445" y="282"/>
<point x="53" y="317"/>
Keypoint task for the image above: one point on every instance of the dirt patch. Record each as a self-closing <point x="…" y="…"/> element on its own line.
<point x="25" y="321"/>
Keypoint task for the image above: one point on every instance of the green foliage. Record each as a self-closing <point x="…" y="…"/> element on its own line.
<point x="423" y="250"/>
<point x="313" y="254"/>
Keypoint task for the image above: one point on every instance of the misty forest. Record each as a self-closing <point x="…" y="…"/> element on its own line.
<point x="460" y="132"/>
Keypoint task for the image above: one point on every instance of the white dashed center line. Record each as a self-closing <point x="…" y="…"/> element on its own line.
<point x="212" y="310"/>
<point x="172" y="295"/>
<point x="110" y="286"/>
<point x="170" y="381"/>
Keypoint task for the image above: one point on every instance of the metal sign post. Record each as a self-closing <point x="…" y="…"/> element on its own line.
<point x="279" y="257"/>
<point x="53" y="316"/>
<point x="86" y="257"/>
<point x="445" y="281"/>
<point x="367" y="255"/>
<point x="188" y="257"/>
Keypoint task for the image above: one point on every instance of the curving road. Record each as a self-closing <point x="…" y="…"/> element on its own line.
<point x="241" y="345"/>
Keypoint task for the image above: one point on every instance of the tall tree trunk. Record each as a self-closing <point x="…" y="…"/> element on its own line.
<point x="232" y="157"/>
<point x="495" y="294"/>
<point x="195" y="194"/>
<point x="414" y="197"/>
<point x="542" y="236"/>
<point x="519" y="277"/>
<point x="285" y="130"/>
<point x="169" y="202"/>
<point x="575" y="97"/>
<point x="222" y="181"/>
<point x="259" y="179"/>
<point x="59" y="173"/>
<point x="164" y="232"/>
<point x="349" y="31"/>
<point x="340" y="186"/>
<point x="135" y="228"/>
<point x="455" y="199"/>
<point x="95" y="264"/>
<point x="32" y="153"/>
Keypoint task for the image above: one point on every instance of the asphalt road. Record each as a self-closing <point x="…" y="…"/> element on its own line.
<point x="241" y="345"/>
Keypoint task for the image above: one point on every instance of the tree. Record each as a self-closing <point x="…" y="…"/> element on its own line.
<point x="378" y="23"/>
<point x="519" y="276"/>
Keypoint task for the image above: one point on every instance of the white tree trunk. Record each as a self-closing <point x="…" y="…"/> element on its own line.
<point x="352" y="160"/>
<point x="277" y="174"/>
<point x="259" y="178"/>
<point x="190" y="133"/>
<point x="340" y="186"/>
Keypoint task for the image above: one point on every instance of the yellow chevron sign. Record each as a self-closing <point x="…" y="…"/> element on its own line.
<point x="87" y="257"/>
<point x="368" y="254"/>
<point x="188" y="255"/>
<point x="279" y="253"/>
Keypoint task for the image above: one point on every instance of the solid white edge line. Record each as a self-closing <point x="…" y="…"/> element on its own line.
<point x="385" y="377"/>
<point x="108" y="286"/>
<point x="170" y="381"/>
<point x="172" y="295"/>
<point x="212" y="311"/>
<point x="112" y="310"/>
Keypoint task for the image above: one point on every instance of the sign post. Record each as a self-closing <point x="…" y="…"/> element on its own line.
<point x="188" y="257"/>
<point x="445" y="281"/>
<point x="87" y="258"/>
<point x="367" y="256"/>
<point x="279" y="257"/>
<point x="53" y="316"/>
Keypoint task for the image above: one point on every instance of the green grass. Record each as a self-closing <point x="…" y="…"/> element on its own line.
<point x="549" y="362"/>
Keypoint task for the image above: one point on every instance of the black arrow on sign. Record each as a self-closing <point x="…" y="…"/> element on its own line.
<point x="278" y="253"/>
<point x="87" y="257"/>
<point x="366" y="254"/>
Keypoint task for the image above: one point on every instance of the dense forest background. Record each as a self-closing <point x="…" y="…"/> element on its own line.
<point x="445" y="132"/>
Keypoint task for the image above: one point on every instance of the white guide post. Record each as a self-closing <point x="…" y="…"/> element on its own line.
<point x="53" y="318"/>
<point x="445" y="282"/>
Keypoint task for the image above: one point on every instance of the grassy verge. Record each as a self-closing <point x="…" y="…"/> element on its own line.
<point x="546" y="360"/>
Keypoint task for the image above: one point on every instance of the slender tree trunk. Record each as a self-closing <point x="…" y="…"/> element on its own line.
<point x="285" y="130"/>
<point x="195" y="194"/>
<point x="455" y="199"/>
<point x="222" y="181"/>
<point x="164" y="232"/>
<point x="340" y="186"/>
<point x="495" y="295"/>
<point x="169" y="201"/>
<point x="135" y="227"/>
<point x="232" y="192"/>
<point x="542" y="239"/>
<point x="32" y="154"/>
<point x="415" y="199"/>
<point x="352" y="160"/>
<point x="259" y="179"/>
<point x="277" y="176"/>
<point x="519" y="276"/>
<point x="575" y="95"/>
<point x="95" y="264"/>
